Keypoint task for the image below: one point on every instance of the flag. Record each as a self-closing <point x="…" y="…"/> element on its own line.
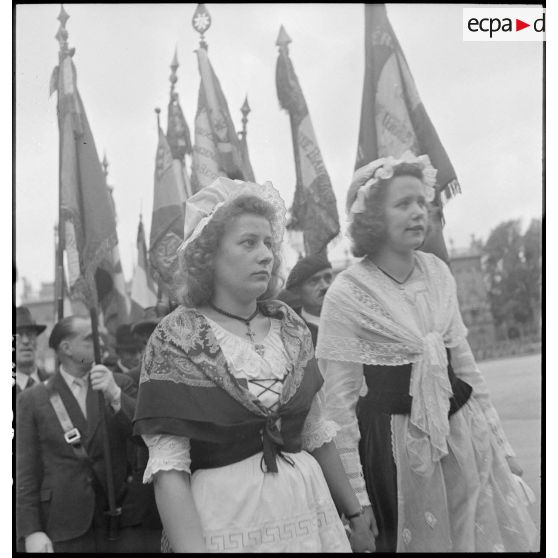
<point x="393" y="118"/>
<point x="314" y="210"/>
<point x="178" y="137"/>
<point x="217" y="149"/>
<point x="144" y="290"/>
<point x="87" y="218"/>
<point x="111" y="285"/>
<point x="167" y="220"/>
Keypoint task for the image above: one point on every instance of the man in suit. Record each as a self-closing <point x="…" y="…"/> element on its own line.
<point x="308" y="283"/>
<point x="62" y="486"/>
<point x="130" y="344"/>
<point x="27" y="372"/>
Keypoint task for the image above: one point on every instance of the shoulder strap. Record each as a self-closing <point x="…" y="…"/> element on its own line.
<point x="71" y="434"/>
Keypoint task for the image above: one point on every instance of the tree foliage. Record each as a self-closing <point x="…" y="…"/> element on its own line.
<point x="513" y="265"/>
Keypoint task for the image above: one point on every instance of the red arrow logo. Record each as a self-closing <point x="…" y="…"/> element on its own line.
<point x="519" y="25"/>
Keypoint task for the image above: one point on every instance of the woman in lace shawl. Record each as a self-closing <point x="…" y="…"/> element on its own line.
<point x="420" y="439"/>
<point x="229" y="401"/>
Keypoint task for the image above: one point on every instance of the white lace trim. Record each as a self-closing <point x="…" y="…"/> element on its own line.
<point x="323" y="431"/>
<point x="166" y="453"/>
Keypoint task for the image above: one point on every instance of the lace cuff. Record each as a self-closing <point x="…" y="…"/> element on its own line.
<point x="318" y="430"/>
<point x="166" y="453"/>
<point x="322" y="431"/>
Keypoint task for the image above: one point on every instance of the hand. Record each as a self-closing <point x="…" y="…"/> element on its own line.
<point x="361" y="535"/>
<point x="38" y="542"/>
<point x="514" y="466"/>
<point x="371" y="520"/>
<point x="103" y="380"/>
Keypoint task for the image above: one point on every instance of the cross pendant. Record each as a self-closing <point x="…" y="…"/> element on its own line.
<point x="250" y="334"/>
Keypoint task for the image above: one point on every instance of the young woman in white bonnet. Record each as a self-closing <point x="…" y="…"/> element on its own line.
<point x="230" y="403"/>
<point x="420" y="439"/>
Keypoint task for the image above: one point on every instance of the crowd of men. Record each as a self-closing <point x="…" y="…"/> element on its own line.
<point x="73" y="426"/>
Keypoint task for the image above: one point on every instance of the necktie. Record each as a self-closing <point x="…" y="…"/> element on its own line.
<point x="80" y="392"/>
<point x="30" y="382"/>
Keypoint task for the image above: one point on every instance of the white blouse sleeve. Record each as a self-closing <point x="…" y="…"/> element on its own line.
<point x="343" y="384"/>
<point x="317" y="429"/>
<point x="166" y="453"/>
<point x="465" y="368"/>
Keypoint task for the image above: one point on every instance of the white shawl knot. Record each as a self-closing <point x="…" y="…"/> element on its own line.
<point x="431" y="390"/>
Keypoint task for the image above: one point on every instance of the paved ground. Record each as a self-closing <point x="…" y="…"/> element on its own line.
<point x="515" y="386"/>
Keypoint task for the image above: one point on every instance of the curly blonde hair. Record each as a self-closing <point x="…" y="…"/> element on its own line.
<point x="194" y="280"/>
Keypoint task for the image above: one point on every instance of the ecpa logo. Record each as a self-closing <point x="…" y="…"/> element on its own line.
<point x="503" y="24"/>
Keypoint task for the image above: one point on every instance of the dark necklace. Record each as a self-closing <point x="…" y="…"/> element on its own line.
<point x="246" y="321"/>
<point x="393" y="278"/>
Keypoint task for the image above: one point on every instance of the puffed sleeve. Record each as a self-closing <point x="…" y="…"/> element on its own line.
<point x="342" y="387"/>
<point x="318" y="430"/>
<point x="166" y="453"/>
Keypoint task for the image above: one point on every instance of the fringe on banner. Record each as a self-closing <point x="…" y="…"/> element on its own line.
<point x="451" y="190"/>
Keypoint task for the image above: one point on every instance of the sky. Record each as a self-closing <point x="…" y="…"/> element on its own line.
<point x="484" y="99"/>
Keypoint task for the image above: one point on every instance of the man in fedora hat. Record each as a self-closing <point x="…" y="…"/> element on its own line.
<point x="27" y="372"/>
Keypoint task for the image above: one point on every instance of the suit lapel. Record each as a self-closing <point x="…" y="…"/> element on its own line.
<point x="71" y="404"/>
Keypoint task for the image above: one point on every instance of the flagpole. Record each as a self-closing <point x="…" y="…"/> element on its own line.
<point x="113" y="512"/>
<point x="159" y="286"/>
<point x="62" y="37"/>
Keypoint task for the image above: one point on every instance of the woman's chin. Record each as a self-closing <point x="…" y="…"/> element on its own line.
<point x="257" y="288"/>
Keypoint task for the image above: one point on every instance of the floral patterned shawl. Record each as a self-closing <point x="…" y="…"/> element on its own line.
<point x="187" y="389"/>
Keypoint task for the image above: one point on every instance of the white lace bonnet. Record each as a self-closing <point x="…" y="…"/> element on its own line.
<point x="201" y="207"/>
<point x="367" y="176"/>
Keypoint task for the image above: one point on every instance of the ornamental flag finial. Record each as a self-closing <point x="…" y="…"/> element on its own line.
<point x="201" y="22"/>
<point x="63" y="16"/>
<point x="105" y="164"/>
<point x="283" y="38"/>
<point x="174" y="67"/>
<point x="62" y="33"/>
<point x="245" y="109"/>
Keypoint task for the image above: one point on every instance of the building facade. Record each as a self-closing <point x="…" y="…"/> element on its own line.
<point x="472" y="294"/>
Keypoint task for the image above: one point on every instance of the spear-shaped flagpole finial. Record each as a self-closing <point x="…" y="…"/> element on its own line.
<point x="245" y="110"/>
<point x="62" y="33"/>
<point x="201" y="22"/>
<point x="105" y="164"/>
<point x="174" y="66"/>
<point x="283" y="39"/>
<point x="158" y="112"/>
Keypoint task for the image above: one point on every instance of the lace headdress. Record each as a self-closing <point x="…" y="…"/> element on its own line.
<point x="202" y="206"/>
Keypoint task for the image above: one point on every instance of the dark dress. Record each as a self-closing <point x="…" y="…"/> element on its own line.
<point x="388" y="394"/>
